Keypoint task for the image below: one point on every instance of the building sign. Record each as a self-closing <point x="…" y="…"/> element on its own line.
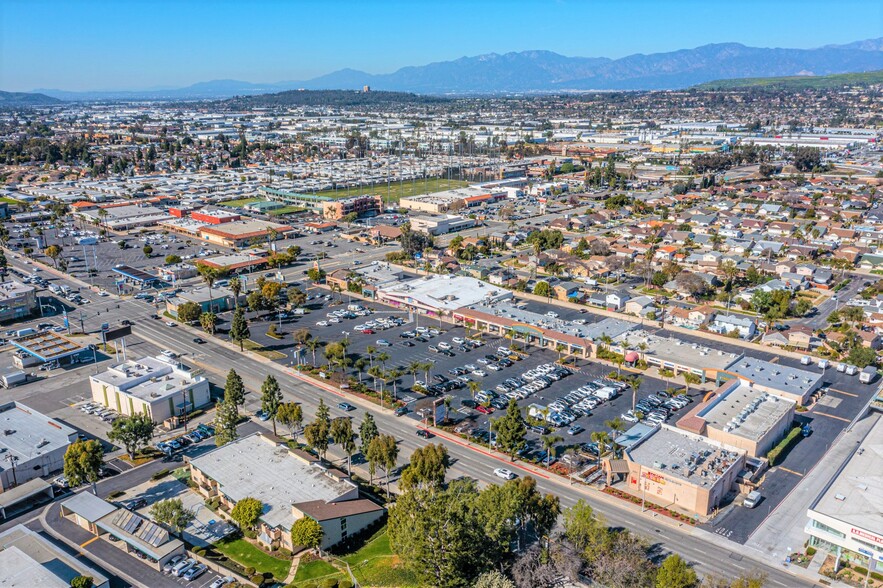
<point x="866" y="535"/>
<point x="653" y="477"/>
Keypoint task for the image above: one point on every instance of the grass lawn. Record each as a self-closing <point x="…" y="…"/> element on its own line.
<point x="243" y="552"/>
<point x="240" y="202"/>
<point x="261" y="350"/>
<point x="399" y="189"/>
<point x="286" y="210"/>
<point x="9" y="200"/>
<point x="318" y="568"/>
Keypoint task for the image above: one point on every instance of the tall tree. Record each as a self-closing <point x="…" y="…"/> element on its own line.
<point x="427" y="467"/>
<point x="234" y="389"/>
<point x="239" y="331"/>
<point x="247" y="512"/>
<point x="342" y="434"/>
<point x="82" y="463"/>
<point x="133" y="432"/>
<point x="209" y="275"/>
<point x="235" y="287"/>
<point x="291" y="415"/>
<point x="271" y="398"/>
<point x="208" y="321"/>
<point x="306" y="532"/>
<point x="226" y="419"/>
<point x="367" y="432"/>
<point x="383" y="452"/>
<point x="511" y="430"/>
<point x="676" y="573"/>
<point x="171" y="513"/>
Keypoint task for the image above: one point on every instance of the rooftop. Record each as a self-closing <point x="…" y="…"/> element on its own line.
<point x="445" y="292"/>
<point x="684" y="455"/>
<point x="244" y="228"/>
<point x="27" y="434"/>
<point x="776" y="376"/>
<point x="27" y="560"/>
<point x="255" y="466"/>
<point x="611" y="327"/>
<point x="856" y="492"/>
<point x="47" y="345"/>
<point x="148" y="379"/>
<point x="13" y="289"/>
<point x="676" y="351"/>
<point x="745" y="411"/>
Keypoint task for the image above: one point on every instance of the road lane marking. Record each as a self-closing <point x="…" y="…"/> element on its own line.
<point x="832" y="416"/>
<point x="842" y="392"/>
<point x="92" y="540"/>
<point x="784" y="469"/>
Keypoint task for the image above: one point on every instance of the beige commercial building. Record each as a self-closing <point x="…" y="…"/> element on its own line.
<point x="681" y="470"/>
<point x="743" y="416"/>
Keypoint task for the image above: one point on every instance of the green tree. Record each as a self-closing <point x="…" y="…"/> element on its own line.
<point x="226" y="419"/>
<point x="208" y="321"/>
<point x="317" y="432"/>
<point x="291" y="415"/>
<point x="247" y="512"/>
<point x="548" y="442"/>
<point x="53" y="252"/>
<point x="147" y="250"/>
<point x="383" y="452"/>
<point x="862" y="356"/>
<point x="493" y="579"/>
<point x="543" y="288"/>
<point x="306" y="532"/>
<point x="235" y="287"/>
<point x="675" y="573"/>
<point x="586" y="530"/>
<point x="132" y="432"/>
<point x="316" y="275"/>
<point x="342" y="434"/>
<point x="189" y="312"/>
<point x="367" y="432"/>
<point x="427" y="467"/>
<point x="209" y="275"/>
<point x="271" y="398"/>
<point x="435" y="532"/>
<point x="82" y="582"/>
<point x="296" y="297"/>
<point x="172" y="259"/>
<point x="171" y="513"/>
<point x="511" y="430"/>
<point x="234" y="389"/>
<point x="239" y="331"/>
<point x="82" y="463"/>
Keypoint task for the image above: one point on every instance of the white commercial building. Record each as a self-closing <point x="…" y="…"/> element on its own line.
<point x="155" y="386"/>
<point x="847" y="519"/>
<point x="27" y="559"/>
<point x="440" y="225"/>
<point x="436" y="295"/>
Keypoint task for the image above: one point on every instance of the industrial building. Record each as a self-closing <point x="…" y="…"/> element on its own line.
<point x="441" y="225"/>
<point x="158" y="387"/>
<point x="290" y="483"/>
<point x="440" y="202"/>
<point x="788" y="382"/>
<point x="439" y="295"/>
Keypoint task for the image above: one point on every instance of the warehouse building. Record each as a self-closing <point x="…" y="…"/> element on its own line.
<point x="32" y="445"/>
<point x="441" y="225"/>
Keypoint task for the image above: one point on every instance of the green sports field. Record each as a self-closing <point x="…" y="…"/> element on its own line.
<point x="398" y="190"/>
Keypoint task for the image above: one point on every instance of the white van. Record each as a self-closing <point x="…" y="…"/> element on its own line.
<point x="753" y="499"/>
<point x="824" y="364"/>
<point x="806" y="360"/>
<point x="851" y="370"/>
<point x="841" y="367"/>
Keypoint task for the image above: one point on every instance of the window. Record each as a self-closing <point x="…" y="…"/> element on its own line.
<point x="343" y="525"/>
<point x="830" y="530"/>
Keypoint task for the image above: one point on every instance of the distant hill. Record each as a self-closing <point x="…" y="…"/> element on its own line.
<point x="334" y="98"/>
<point x="797" y="82"/>
<point x="22" y="99"/>
<point x="548" y="72"/>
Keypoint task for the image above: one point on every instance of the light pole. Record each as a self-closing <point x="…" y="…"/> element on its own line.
<point x="12" y="459"/>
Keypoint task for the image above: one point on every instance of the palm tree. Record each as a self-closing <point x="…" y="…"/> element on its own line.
<point x="473" y="387"/>
<point x="616" y="426"/>
<point x="634" y="384"/>
<point x="378" y="374"/>
<point x="236" y="288"/>
<point x="414" y="368"/>
<point x="394" y="375"/>
<point x="360" y="365"/>
<point x="602" y="438"/>
<point x="690" y="378"/>
<point x="312" y="344"/>
<point x="209" y="276"/>
<point x="370" y="351"/>
<point x="383" y="357"/>
<point x="549" y="442"/>
<point x="560" y="349"/>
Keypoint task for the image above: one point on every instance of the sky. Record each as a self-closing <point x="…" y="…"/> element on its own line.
<point x="135" y="44"/>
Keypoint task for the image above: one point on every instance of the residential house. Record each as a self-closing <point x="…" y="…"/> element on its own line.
<point x="729" y="323"/>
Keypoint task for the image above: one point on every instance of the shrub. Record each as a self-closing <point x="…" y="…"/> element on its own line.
<point x="345" y="583"/>
<point x="249" y="571"/>
<point x="116" y="494"/>
<point x="257" y="579"/>
<point x="779" y="452"/>
<point x="329" y="583"/>
<point x="160" y="474"/>
<point x="810" y="551"/>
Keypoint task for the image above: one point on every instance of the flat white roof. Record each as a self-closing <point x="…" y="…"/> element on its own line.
<point x="746" y="411"/>
<point x="27" y="434"/>
<point x="148" y="379"/>
<point x="255" y="466"/>
<point x="855" y="495"/>
<point x="445" y="292"/>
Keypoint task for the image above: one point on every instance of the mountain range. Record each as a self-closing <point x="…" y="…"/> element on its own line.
<point x="545" y="72"/>
<point x="23" y="99"/>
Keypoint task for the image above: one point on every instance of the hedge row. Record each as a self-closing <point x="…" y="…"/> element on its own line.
<point x="781" y="450"/>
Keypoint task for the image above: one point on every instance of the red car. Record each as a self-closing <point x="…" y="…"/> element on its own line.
<point x="367" y="331"/>
<point x="484" y="409"/>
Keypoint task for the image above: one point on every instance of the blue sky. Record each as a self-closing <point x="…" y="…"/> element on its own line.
<point x="134" y="44"/>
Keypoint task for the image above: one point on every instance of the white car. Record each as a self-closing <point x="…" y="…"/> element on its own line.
<point x="479" y="373"/>
<point x="458" y="340"/>
<point x="170" y="324"/>
<point x="322" y="324"/>
<point x="505" y="474"/>
<point x="168" y="353"/>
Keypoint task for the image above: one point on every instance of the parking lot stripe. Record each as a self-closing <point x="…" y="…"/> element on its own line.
<point x="832" y="416"/>
<point x="784" y="469"/>
<point x="842" y="392"/>
<point x="84" y="544"/>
